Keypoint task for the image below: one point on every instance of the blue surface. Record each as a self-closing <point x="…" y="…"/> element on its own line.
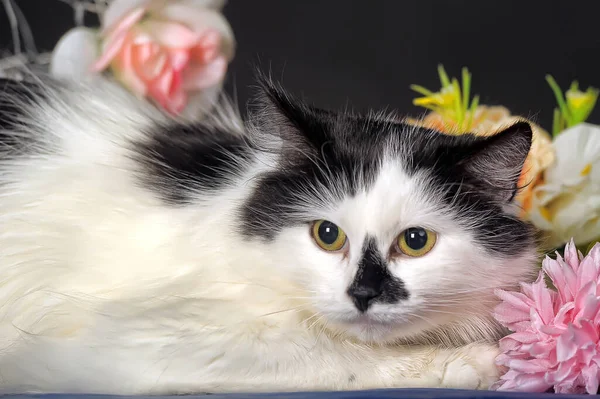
<point x="376" y="394"/>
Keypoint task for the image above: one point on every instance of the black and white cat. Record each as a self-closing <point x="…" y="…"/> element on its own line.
<point x="304" y="250"/>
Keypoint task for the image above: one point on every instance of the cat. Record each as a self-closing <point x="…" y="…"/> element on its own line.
<point x="302" y="249"/>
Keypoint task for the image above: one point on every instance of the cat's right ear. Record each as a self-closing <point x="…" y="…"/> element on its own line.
<point x="300" y="127"/>
<point x="498" y="161"/>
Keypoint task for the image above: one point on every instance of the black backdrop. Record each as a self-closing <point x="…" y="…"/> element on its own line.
<point x="364" y="54"/>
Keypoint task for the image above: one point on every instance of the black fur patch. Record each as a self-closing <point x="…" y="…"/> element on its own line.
<point x="278" y="194"/>
<point x="373" y="282"/>
<point x="180" y="160"/>
<point x="14" y="98"/>
<point x="478" y="176"/>
<point x="327" y="156"/>
<point x="477" y="179"/>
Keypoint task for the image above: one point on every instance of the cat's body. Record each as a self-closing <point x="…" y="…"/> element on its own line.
<point x="142" y="256"/>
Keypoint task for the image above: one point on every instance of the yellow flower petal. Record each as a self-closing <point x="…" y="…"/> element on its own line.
<point x="586" y="170"/>
<point x="578" y="99"/>
<point x="545" y="213"/>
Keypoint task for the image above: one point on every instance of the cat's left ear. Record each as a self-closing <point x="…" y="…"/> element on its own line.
<point x="302" y="128"/>
<point x="498" y="161"/>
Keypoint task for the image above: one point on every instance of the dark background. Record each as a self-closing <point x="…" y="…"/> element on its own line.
<point x="365" y="54"/>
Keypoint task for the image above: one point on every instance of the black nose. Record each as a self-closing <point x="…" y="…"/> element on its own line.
<point x="363" y="296"/>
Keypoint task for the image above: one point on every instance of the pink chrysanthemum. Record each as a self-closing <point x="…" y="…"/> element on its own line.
<point x="556" y="339"/>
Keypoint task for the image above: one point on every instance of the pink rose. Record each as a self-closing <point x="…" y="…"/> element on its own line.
<point x="165" y="50"/>
<point x="174" y="52"/>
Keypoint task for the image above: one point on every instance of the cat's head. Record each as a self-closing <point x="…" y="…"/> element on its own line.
<point x="390" y="230"/>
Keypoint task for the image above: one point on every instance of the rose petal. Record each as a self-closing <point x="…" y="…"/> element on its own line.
<point x="179" y="59"/>
<point x="118" y="9"/>
<point x="208" y="47"/>
<point x="110" y="51"/>
<point x="141" y="37"/>
<point x="74" y="54"/>
<point x="149" y="61"/>
<point x="162" y="85"/>
<point x="123" y="68"/>
<point x="167" y="90"/>
<point x="202" y="77"/>
<point x="171" y="34"/>
<point x="201" y="20"/>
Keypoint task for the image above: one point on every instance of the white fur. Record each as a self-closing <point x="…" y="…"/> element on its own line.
<point x="104" y="289"/>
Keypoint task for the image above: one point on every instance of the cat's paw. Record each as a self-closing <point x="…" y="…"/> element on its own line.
<point x="472" y="367"/>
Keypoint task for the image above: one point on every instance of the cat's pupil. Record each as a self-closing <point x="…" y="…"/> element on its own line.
<point x="416" y="238"/>
<point x="328" y="232"/>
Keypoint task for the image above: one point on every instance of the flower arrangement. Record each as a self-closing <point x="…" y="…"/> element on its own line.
<point x="560" y="181"/>
<point x="554" y="342"/>
<point x="173" y="53"/>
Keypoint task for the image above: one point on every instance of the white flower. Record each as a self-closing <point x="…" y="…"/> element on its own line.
<point x="74" y="54"/>
<point x="567" y="204"/>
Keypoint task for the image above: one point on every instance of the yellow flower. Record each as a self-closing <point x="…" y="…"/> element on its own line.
<point x="444" y="99"/>
<point x="452" y="102"/>
<point x="574" y="108"/>
<point x="578" y="100"/>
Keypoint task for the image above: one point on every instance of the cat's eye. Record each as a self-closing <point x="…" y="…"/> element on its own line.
<point x="328" y="236"/>
<point x="416" y="241"/>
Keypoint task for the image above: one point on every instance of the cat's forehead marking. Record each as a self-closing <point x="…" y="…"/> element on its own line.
<point x="396" y="200"/>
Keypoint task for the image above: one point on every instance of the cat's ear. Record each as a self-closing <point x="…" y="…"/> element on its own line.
<point x="498" y="161"/>
<point x="300" y="126"/>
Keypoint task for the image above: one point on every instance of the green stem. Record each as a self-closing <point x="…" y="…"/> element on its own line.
<point x="559" y="98"/>
<point x="466" y="88"/>
<point x="443" y="76"/>
<point x="421" y="90"/>
<point x="556" y="122"/>
<point x="458" y="104"/>
<point x="474" y="106"/>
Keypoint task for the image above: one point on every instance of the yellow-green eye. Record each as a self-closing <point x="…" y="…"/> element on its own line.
<point x="328" y="235"/>
<point x="416" y="241"/>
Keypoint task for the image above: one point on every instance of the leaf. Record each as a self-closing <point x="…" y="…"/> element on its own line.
<point x="559" y="98"/>
<point x="443" y="76"/>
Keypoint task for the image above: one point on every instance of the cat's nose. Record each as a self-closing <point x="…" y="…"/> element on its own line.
<point x="363" y="296"/>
